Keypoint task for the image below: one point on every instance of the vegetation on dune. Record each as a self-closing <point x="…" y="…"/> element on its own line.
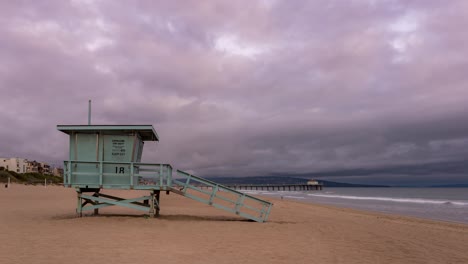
<point x="29" y="178"/>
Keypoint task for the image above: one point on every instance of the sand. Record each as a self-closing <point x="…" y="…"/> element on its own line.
<point x="38" y="225"/>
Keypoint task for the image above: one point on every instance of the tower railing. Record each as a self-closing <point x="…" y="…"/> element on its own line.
<point x="119" y="175"/>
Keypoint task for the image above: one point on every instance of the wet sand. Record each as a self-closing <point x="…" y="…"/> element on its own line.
<point x="38" y="225"/>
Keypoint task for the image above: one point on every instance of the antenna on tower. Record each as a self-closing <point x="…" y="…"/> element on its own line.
<point x="89" y="113"/>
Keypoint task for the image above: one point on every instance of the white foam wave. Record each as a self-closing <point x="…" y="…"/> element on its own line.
<point x="293" y="197"/>
<point x="258" y="192"/>
<point x="397" y="200"/>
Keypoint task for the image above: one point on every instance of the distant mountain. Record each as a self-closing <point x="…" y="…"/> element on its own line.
<point x="449" y="167"/>
<point x="281" y="180"/>
<point x="460" y="185"/>
<point x="258" y="180"/>
<point x="342" y="184"/>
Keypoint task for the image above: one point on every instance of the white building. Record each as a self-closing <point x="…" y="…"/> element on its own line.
<point x="38" y="167"/>
<point x="312" y="182"/>
<point x="20" y="165"/>
<point x="17" y="165"/>
<point x="45" y="168"/>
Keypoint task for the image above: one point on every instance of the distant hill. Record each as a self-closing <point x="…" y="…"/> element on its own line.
<point x="281" y="180"/>
<point x="342" y="184"/>
<point x="461" y="185"/>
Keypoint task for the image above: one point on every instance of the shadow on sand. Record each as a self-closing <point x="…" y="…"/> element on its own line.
<point x="161" y="217"/>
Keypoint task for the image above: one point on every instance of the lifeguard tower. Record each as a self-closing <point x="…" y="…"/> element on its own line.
<point x="109" y="157"/>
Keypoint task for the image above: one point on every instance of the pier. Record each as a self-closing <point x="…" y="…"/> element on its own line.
<point x="277" y="187"/>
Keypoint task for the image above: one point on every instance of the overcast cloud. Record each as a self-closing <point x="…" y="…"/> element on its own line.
<point x="241" y="88"/>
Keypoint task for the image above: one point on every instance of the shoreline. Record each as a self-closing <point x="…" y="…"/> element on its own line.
<point x="364" y="211"/>
<point x="370" y="212"/>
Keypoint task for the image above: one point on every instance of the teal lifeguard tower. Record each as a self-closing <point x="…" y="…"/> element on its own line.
<point x="109" y="157"/>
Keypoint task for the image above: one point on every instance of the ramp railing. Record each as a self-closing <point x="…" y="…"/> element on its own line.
<point x="221" y="197"/>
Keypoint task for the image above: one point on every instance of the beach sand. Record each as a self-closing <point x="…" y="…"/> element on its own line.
<point x="38" y="225"/>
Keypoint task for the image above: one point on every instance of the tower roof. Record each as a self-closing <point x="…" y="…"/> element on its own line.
<point x="146" y="132"/>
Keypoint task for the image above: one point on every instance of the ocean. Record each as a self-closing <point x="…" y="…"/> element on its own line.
<point x="444" y="204"/>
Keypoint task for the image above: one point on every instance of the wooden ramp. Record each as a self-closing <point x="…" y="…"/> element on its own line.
<point x="220" y="196"/>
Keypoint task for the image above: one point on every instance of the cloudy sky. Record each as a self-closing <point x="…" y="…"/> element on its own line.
<point x="354" y="90"/>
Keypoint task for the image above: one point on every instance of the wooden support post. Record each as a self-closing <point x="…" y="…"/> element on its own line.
<point x="213" y="194"/>
<point x="239" y="203"/>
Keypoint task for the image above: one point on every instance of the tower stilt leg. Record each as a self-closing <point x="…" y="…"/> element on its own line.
<point x="152" y="211"/>
<point x="154" y="203"/>
<point x="79" y="206"/>
<point x="96" y="211"/>
<point x="157" y="194"/>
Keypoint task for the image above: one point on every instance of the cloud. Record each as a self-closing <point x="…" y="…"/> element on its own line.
<point x="242" y="88"/>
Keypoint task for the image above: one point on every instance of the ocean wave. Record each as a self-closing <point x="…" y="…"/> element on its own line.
<point x="397" y="200"/>
<point x="293" y="197"/>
